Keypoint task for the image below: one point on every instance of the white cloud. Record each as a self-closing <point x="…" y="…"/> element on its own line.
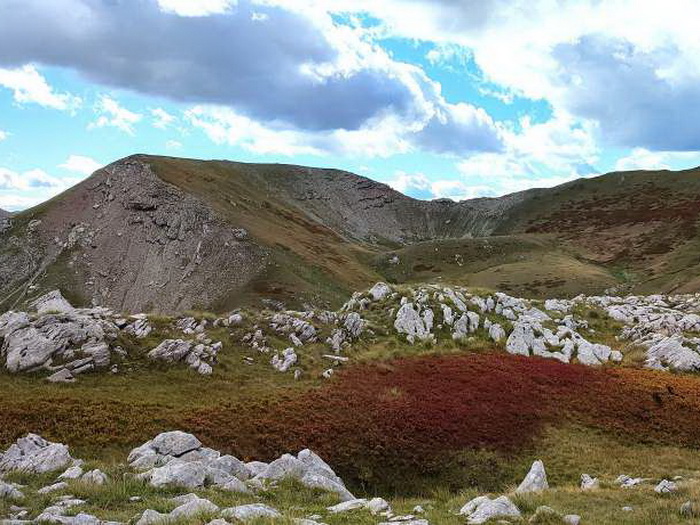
<point x="14" y="202"/>
<point x="196" y="7"/>
<point x="224" y="126"/>
<point x="643" y="159"/>
<point x="581" y="56"/>
<point x="421" y="186"/>
<point x="111" y="114"/>
<point x="36" y="178"/>
<point x="30" y="87"/>
<point x="161" y="118"/>
<point x="536" y="155"/>
<point x="3" y="135"/>
<point x="173" y="144"/>
<point x="81" y="164"/>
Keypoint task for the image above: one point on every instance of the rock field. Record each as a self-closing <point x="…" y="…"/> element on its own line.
<point x="177" y="460"/>
<point x="63" y="342"/>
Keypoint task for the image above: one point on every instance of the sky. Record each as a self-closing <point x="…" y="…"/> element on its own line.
<point x="437" y="98"/>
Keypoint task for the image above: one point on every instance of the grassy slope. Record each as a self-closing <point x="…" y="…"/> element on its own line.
<point x="524" y="265"/>
<point x="642" y="224"/>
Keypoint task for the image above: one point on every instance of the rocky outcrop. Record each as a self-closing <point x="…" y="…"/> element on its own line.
<point x="33" y="454"/>
<point x="482" y="509"/>
<point x="179" y="459"/>
<point x="536" y="479"/>
<point x="132" y="242"/>
<point x="198" y="356"/>
<point x="57" y="337"/>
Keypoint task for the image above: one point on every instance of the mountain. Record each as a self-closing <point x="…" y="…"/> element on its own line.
<point x="164" y="234"/>
<point x="4" y="213"/>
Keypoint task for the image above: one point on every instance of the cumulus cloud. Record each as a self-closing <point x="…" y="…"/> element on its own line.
<point x="80" y="164"/>
<point x="30" y="87"/>
<point x="278" y="64"/>
<point x="621" y="87"/>
<point x="422" y="186"/>
<point x="383" y="136"/>
<point x="3" y="135"/>
<point x="13" y="202"/>
<point x="36" y="178"/>
<point x="643" y="159"/>
<point x="632" y="66"/>
<point x="111" y="114"/>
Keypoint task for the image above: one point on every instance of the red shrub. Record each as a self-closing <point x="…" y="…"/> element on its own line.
<point x="411" y="415"/>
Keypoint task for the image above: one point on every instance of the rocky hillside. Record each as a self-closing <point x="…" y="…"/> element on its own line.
<point x="164" y="234"/>
<point x="4" y="214"/>
<point x="314" y="417"/>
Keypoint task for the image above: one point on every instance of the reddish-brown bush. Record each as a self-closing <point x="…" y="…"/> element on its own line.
<point x="377" y="420"/>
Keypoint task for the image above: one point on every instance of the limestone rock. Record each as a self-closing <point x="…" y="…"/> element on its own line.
<point x="250" y="512"/>
<point x="536" y="479"/>
<point x="481" y="509"/>
<point x="665" y="487"/>
<point x="588" y="482"/>
<point x="34" y="455"/>
<point x="379" y="291"/>
<point x="10" y="491"/>
<point x="52" y="302"/>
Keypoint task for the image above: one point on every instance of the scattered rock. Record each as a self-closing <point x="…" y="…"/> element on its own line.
<point x="481" y="509"/>
<point x="665" y="487"/>
<point x="589" y="483"/>
<point x="34" y="455"/>
<point x="250" y="512"/>
<point x="536" y="479"/>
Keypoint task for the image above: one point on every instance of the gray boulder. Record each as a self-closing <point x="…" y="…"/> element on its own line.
<point x="51" y="302"/>
<point x="482" y="509"/>
<point x="379" y="291"/>
<point x="536" y="479"/>
<point x="34" y="455"/>
<point x="178" y="473"/>
<point x="250" y="512"/>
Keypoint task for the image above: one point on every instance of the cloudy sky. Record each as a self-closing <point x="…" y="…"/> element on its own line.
<point x="439" y="98"/>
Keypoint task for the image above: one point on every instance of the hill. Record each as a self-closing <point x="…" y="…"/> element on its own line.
<point x="164" y="234"/>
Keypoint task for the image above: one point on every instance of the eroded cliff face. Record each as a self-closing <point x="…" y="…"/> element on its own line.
<point x="126" y="239"/>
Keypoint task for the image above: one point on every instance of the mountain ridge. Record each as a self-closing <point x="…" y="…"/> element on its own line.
<point x="150" y="233"/>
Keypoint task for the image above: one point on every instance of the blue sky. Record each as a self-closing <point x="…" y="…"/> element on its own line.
<point x="438" y="98"/>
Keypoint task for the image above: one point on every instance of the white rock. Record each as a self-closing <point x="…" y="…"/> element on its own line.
<point x="482" y="509"/>
<point x="536" y="479"/>
<point x="250" y="512"/>
<point x="94" y="477"/>
<point x="51" y="302"/>
<point x="377" y="505"/>
<point x="10" y="491"/>
<point x="175" y="443"/>
<point x="665" y="487"/>
<point x="53" y="488"/>
<point x="33" y="454"/>
<point x="179" y="473"/>
<point x="193" y="507"/>
<point x="588" y="482"/>
<point x="379" y="291"/>
<point x="346" y="506"/>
